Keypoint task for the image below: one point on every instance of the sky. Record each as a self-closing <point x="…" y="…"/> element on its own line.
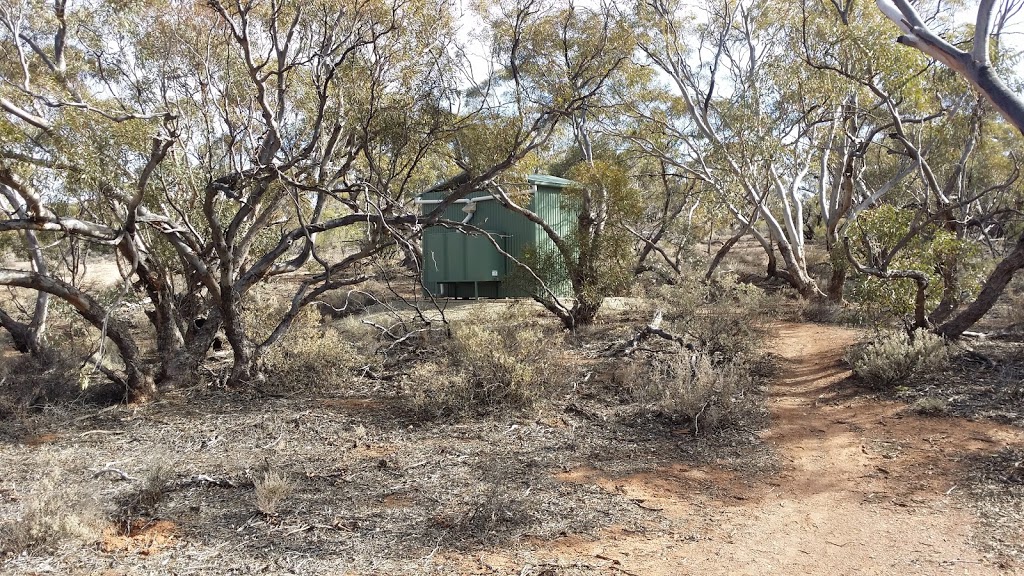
<point x="471" y="25"/>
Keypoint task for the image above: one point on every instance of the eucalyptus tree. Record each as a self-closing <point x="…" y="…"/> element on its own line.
<point x="882" y="106"/>
<point x="730" y="121"/>
<point x="666" y="230"/>
<point x="213" y="149"/>
<point x="28" y="335"/>
<point x="976" y="66"/>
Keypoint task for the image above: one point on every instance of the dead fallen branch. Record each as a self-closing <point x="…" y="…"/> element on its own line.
<point x="653" y="328"/>
<point x="204" y="481"/>
<point x="119" y="474"/>
<point x="1012" y="333"/>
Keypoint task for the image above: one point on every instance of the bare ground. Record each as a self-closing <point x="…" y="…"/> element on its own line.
<point x="839" y="483"/>
<point x="863" y="488"/>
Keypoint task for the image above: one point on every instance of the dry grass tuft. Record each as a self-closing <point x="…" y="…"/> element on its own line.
<point x="272" y="488"/>
<point x="930" y="406"/>
<point x="142" y="500"/>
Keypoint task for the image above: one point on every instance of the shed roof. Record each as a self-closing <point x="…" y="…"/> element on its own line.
<point x="545" y="180"/>
<point x="535" y="179"/>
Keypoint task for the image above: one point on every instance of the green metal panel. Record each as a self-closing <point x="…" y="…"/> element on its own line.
<point x="451" y="256"/>
<point x="465" y="266"/>
<point x="554" y="207"/>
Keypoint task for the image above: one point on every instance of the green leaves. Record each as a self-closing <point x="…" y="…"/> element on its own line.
<point x="886" y="230"/>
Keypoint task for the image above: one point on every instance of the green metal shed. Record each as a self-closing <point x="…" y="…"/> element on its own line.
<point x="459" y="265"/>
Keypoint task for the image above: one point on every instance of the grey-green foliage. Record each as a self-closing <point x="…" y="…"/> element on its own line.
<point x="714" y="385"/>
<point x="710" y="396"/>
<point x="55" y="513"/>
<point x="894" y="357"/>
<point x="491" y="361"/>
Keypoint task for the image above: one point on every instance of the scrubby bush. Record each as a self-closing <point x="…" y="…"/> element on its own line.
<point x="489" y="362"/>
<point x="725" y="318"/>
<point x="52" y="378"/>
<point x="894" y="357"/>
<point x="53" y="514"/>
<point x="689" y="385"/>
<point x="312" y="355"/>
<point x="820" y="311"/>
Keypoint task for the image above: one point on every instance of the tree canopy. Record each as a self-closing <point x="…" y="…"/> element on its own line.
<point x="209" y="148"/>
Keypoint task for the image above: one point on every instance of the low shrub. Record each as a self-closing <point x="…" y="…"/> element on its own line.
<point x="53" y="514"/>
<point x="930" y="406"/>
<point x="52" y="378"/>
<point x="894" y="357"/>
<point x="709" y="396"/>
<point x="489" y="362"/>
<point x="725" y="318"/>
<point x="820" y="311"/>
<point x="315" y="356"/>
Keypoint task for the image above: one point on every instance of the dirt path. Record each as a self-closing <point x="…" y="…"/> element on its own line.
<point x="863" y="488"/>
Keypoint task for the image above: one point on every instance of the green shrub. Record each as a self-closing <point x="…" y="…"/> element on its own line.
<point x="894" y="357"/>
<point x="931" y="250"/>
